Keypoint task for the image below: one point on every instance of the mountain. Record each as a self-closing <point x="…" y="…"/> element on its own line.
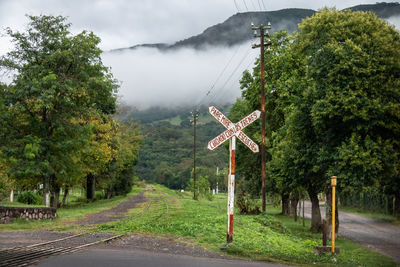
<point x="236" y="29"/>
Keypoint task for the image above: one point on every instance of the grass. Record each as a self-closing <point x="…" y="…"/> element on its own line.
<point x="18" y="204"/>
<point x="373" y="215"/>
<point x="76" y="209"/>
<point x="267" y="237"/>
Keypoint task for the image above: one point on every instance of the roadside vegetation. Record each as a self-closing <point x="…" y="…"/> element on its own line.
<point x="57" y="125"/>
<point x="77" y="208"/>
<point x="267" y="237"/>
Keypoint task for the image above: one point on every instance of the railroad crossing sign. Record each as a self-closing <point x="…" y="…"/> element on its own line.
<point x="232" y="131"/>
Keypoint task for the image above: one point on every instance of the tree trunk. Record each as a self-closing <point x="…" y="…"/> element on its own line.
<point x="396" y="207"/>
<point x="285" y="204"/>
<point x="328" y="213"/>
<point x="46" y="190"/>
<point x="299" y="215"/>
<point x="65" y="196"/>
<point x="293" y="208"/>
<point x="316" y="225"/>
<point x="90" y="186"/>
<point x="55" y="192"/>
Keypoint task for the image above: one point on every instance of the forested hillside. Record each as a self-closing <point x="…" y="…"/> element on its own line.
<point x="236" y="29"/>
<point x="166" y="154"/>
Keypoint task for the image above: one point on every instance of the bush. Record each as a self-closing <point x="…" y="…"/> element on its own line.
<point x="29" y="197"/>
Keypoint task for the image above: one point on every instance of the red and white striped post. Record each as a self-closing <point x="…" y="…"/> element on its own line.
<point x="231" y="188"/>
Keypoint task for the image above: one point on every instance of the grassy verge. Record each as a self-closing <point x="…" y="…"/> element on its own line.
<point x="268" y="237"/>
<point x="372" y="215"/>
<point x="77" y="209"/>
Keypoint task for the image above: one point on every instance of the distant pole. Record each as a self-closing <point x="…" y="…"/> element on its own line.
<point x="333" y="183"/>
<point x="217" y="179"/>
<point x="263" y="160"/>
<point x="195" y="115"/>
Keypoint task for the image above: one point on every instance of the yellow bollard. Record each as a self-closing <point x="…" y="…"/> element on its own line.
<point x="333" y="183"/>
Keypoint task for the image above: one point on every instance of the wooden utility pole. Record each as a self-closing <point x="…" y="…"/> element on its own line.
<point x="195" y="116"/>
<point x="262" y="44"/>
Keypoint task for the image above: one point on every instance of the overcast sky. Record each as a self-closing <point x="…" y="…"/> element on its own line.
<point x="122" y="23"/>
<point x="149" y="77"/>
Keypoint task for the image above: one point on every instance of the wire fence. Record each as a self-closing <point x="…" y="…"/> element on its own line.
<point x="370" y="201"/>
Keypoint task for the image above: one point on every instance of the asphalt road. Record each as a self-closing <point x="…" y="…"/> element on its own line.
<point x="99" y="257"/>
<point x="378" y="235"/>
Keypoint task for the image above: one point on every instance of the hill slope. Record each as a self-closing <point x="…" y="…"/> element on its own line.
<point x="236" y="29"/>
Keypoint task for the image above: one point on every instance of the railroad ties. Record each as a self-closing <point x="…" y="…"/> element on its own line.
<point x="28" y="255"/>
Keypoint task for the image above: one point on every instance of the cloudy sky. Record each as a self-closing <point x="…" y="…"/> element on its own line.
<point x="123" y="23"/>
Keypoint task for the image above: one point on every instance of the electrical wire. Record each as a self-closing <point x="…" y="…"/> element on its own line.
<point x="218" y="92"/>
<point x="258" y="1"/>
<point x="244" y="2"/>
<point x="236" y="6"/>
<point x="252" y="3"/>
<point x="218" y="78"/>
<point x="221" y="89"/>
<point x="223" y="92"/>
<point x="262" y="1"/>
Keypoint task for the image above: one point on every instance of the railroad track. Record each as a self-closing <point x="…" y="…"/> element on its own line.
<point x="28" y="255"/>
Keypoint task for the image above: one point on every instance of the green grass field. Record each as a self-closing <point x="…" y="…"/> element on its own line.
<point x="77" y="208"/>
<point x="267" y="237"/>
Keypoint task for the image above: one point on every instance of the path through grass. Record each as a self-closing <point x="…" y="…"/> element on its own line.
<point x="267" y="237"/>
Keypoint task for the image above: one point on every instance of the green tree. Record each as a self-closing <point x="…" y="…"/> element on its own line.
<point x="59" y="80"/>
<point x="335" y="95"/>
<point x="119" y="175"/>
<point x="352" y="61"/>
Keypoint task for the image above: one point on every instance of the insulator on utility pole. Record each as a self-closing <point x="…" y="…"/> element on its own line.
<point x="263" y="43"/>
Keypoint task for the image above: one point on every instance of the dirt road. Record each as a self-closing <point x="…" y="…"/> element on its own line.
<point x="375" y="234"/>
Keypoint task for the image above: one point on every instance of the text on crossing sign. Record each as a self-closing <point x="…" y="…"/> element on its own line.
<point x="233" y="129"/>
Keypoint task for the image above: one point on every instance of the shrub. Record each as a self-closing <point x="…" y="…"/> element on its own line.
<point x="29" y="197"/>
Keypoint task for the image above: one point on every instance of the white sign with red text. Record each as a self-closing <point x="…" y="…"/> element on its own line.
<point x="233" y="129"/>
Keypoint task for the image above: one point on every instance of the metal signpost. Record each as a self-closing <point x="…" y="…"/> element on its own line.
<point x="233" y="131"/>
<point x="333" y="183"/>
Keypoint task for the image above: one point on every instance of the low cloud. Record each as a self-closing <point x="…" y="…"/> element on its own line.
<point x="395" y="21"/>
<point x="186" y="76"/>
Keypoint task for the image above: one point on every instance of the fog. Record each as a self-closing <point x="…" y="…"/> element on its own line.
<point x="185" y="76"/>
<point x="395" y="21"/>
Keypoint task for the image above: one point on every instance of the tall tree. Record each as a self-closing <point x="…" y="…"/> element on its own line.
<point x="58" y="79"/>
<point x="353" y="71"/>
<point x="337" y="85"/>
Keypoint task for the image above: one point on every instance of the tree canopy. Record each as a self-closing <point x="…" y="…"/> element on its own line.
<point x="57" y="124"/>
<point x="333" y="105"/>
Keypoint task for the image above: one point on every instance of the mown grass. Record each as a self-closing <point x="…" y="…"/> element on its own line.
<point x="267" y="237"/>
<point x="373" y="215"/>
<point x="77" y="209"/>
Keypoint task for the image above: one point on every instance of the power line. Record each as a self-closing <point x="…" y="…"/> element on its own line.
<point x="258" y="1"/>
<point x="218" y="78"/>
<point x="244" y="2"/>
<point x="252" y="3"/>
<point x="262" y="1"/>
<point x="221" y="89"/>
<point x="222" y="93"/>
<point x="236" y="6"/>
